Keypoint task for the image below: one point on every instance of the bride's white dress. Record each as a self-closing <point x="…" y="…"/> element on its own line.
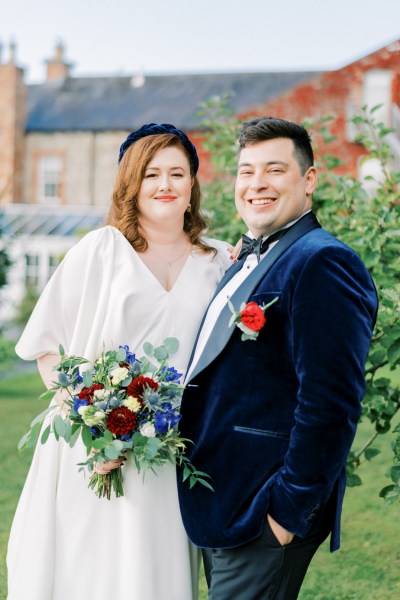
<point x="65" y="543"/>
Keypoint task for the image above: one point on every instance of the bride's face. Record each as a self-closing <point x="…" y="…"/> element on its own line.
<point x="166" y="187"/>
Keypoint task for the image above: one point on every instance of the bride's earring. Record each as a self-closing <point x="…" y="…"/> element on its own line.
<point x="189" y="208"/>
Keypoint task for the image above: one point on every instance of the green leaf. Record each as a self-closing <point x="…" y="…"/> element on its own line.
<point x="100" y="443"/>
<point x="118" y="445"/>
<point x="161" y="353"/>
<point x="395" y="473"/>
<point x="87" y="437"/>
<point x="61" y="350"/>
<point x="48" y="395"/>
<point x="108" y="435"/>
<point x="45" y="434"/>
<point x="74" y="435"/>
<point x="172" y="345"/>
<point x="59" y="425"/>
<point x="383" y="382"/>
<point x="34" y="435"/>
<point x="152" y="447"/>
<point x="353" y="480"/>
<point x="394" y="352"/>
<point x="67" y="430"/>
<point x="148" y="348"/>
<point x="87" y="378"/>
<point x="391" y="493"/>
<point x="41" y="417"/>
<point x="111" y="453"/>
<point x="370" y="453"/>
<point x="121" y="355"/>
<point x="205" y="483"/>
<point x="23" y="441"/>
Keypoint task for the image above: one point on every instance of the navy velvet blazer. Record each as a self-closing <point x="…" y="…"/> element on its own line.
<point x="272" y="420"/>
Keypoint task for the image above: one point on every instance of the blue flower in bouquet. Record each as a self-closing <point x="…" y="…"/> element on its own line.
<point x="165" y="420"/>
<point x="78" y="402"/>
<point x="151" y="398"/>
<point x="130" y="356"/>
<point x="170" y="374"/>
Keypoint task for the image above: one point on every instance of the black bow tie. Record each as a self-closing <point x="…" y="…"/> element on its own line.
<point x="257" y="246"/>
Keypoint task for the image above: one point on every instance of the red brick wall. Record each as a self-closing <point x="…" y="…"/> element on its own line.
<point x="329" y="94"/>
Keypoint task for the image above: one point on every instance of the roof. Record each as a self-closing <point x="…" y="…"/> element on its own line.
<point x="125" y="103"/>
<point x="37" y="220"/>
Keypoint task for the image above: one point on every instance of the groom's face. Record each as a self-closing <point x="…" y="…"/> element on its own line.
<point x="270" y="189"/>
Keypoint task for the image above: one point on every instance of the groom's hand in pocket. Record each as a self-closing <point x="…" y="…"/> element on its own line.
<point x="283" y="536"/>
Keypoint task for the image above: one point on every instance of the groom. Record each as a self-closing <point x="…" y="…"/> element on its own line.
<point x="272" y="404"/>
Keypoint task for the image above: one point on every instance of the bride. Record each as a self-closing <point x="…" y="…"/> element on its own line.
<point x="145" y="276"/>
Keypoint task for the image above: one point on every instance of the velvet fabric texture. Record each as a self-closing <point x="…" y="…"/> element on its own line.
<point x="272" y="420"/>
<point x="154" y="129"/>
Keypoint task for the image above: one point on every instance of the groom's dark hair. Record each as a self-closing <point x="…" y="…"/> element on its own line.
<point x="269" y="128"/>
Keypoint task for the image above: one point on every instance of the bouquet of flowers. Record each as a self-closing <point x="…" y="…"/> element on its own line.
<point x="120" y="406"/>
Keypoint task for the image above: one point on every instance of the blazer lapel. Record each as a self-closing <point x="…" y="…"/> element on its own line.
<point x="221" y="333"/>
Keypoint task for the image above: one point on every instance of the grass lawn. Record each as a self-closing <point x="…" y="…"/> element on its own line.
<point x="367" y="567"/>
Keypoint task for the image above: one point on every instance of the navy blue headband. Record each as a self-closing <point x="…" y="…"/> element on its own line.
<point x="154" y="129"/>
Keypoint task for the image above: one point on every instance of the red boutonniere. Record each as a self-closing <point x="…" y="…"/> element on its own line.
<point x="250" y="318"/>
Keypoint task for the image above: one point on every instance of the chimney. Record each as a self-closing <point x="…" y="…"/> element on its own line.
<point x="57" y="68"/>
<point x="12" y="129"/>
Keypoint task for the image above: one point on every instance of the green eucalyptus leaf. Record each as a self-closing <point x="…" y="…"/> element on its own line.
<point x="148" y="348"/>
<point x="87" y="437"/>
<point x="59" y="425"/>
<point x="172" y="345"/>
<point x="121" y="355"/>
<point x="87" y="379"/>
<point x="22" y="444"/>
<point x="45" y="434"/>
<point x="111" y="453"/>
<point x="67" y="430"/>
<point x="31" y="442"/>
<point x="41" y="417"/>
<point x="74" y="435"/>
<point x="49" y="394"/>
<point x="161" y="353"/>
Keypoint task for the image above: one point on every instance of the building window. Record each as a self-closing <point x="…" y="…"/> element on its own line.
<point x="53" y="263"/>
<point x="377" y="90"/>
<point x="31" y="270"/>
<point x="50" y="179"/>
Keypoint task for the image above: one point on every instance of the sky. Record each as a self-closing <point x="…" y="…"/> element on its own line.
<point x="124" y="37"/>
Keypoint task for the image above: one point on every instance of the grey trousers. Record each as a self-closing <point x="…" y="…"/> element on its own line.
<point x="263" y="569"/>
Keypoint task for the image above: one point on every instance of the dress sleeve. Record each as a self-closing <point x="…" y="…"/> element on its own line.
<point x="223" y="255"/>
<point x="71" y="309"/>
